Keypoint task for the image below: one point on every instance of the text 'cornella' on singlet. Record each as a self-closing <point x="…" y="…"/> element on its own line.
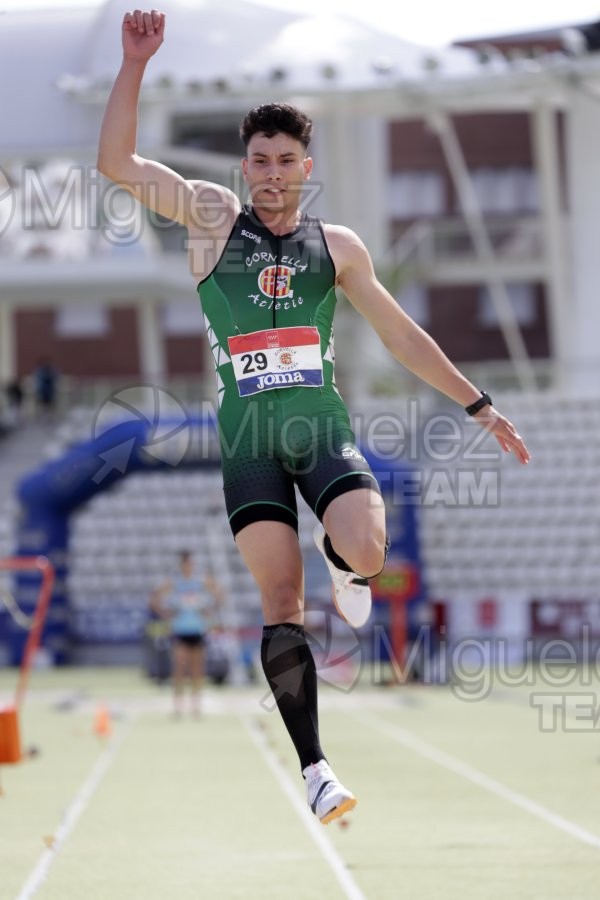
<point x="268" y="307"/>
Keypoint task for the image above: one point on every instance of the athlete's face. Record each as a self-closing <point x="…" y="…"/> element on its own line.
<point x="275" y="170"/>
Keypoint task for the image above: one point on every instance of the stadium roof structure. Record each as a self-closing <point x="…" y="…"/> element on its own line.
<point x="225" y="54"/>
<point x="218" y="53"/>
<point x="244" y="43"/>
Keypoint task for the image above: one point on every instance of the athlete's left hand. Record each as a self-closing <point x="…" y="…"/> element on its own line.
<point x="504" y="431"/>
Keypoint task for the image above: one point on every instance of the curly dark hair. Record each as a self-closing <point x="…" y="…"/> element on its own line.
<point x="273" y="118"/>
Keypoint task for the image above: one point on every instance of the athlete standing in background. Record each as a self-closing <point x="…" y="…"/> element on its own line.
<point x="190" y="604"/>
<point x="267" y="276"/>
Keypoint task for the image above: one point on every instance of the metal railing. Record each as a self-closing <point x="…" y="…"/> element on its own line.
<point x="425" y="243"/>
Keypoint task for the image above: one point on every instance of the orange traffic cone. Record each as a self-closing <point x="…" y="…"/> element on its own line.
<point x="102" y="721"/>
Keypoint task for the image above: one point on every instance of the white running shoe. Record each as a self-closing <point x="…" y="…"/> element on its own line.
<point x="351" y="593"/>
<point x="327" y="798"/>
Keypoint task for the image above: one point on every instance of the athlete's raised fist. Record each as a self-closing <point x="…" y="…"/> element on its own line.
<point x="143" y="33"/>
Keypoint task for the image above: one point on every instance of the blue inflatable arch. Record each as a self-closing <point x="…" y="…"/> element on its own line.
<point x="50" y="495"/>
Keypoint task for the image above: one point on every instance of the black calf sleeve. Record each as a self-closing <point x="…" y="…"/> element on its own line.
<point x="288" y="663"/>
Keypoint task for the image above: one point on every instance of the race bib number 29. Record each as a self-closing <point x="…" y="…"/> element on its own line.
<point x="276" y="358"/>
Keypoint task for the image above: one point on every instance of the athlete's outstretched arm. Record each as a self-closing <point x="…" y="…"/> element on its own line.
<point x="153" y="184"/>
<point x="405" y="340"/>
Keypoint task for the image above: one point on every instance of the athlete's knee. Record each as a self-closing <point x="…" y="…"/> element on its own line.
<point x="366" y="556"/>
<point x="282" y="602"/>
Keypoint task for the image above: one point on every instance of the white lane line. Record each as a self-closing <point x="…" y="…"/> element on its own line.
<point x="77" y="807"/>
<point x="428" y="751"/>
<point x="312" y="825"/>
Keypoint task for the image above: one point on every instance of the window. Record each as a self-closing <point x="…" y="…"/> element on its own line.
<point x="522" y="300"/>
<point x="81" y="319"/>
<point x="182" y="318"/>
<point x="414" y="300"/>
<point x="414" y="194"/>
<point x="504" y="191"/>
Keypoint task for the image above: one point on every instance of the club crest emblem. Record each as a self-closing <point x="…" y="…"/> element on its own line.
<point x="276" y="281"/>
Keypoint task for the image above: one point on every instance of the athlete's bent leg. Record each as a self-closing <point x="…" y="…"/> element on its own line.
<point x="355" y="525"/>
<point x="354" y="547"/>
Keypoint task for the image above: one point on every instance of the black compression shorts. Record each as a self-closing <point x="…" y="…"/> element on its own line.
<point x="317" y="453"/>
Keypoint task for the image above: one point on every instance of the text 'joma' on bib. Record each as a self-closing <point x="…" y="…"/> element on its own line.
<point x="276" y="358"/>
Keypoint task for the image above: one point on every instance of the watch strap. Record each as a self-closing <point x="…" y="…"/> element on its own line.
<point x="484" y="400"/>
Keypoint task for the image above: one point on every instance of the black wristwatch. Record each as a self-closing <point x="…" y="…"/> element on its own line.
<point x="484" y="400"/>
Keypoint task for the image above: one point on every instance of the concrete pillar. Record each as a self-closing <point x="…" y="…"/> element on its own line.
<point x="350" y="152"/>
<point x="332" y="172"/>
<point x="583" y="179"/>
<point x="370" y="189"/>
<point x="558" y="289"/>
<point x="151" y="343"/>
<point x="8" y="360"/>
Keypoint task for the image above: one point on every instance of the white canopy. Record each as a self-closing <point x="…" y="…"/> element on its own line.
<point x="51" y="61"/>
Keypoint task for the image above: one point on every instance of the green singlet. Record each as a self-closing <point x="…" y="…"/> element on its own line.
<point x="268" y="307"/>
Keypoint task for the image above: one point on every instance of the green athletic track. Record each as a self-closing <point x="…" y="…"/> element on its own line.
<point x="457" y="800"/>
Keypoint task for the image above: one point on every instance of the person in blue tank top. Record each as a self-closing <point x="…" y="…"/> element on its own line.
<point x="191" y="604"/>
